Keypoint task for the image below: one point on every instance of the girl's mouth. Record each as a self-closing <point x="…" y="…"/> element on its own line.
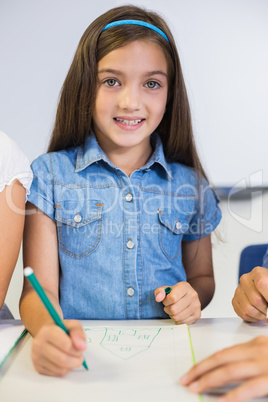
<point x="127" y="122"/>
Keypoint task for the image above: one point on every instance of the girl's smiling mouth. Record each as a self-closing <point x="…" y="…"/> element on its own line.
<point x="128" y="122"/>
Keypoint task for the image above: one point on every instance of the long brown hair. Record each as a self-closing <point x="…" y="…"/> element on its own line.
<point x="77" y="100"/>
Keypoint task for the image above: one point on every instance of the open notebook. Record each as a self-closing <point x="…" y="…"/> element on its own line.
<point x="128" y="361"/>
<point x="10" y="334"/>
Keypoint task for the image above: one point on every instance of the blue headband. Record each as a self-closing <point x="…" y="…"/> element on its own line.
<point x="136" y="22"/>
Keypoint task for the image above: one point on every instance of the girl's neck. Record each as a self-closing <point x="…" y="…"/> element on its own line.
<point x="129" y="159"/>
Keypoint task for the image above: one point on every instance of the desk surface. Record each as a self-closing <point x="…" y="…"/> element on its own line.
<point x="19" y="381"/>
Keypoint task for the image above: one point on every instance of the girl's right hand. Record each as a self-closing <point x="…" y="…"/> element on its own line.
<point x="54" y="352"/>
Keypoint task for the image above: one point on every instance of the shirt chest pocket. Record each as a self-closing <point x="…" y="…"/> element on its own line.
<point x="171" y="230"/>
<point x="79" y="226"/>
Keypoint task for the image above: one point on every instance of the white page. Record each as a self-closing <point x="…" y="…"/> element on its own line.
<point x="9" y="334"/>
<point x="152" y="357"/>
<point x="127" y="362"/>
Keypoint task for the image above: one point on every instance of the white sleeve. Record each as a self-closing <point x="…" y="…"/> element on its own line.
<point x="13" y="164"/>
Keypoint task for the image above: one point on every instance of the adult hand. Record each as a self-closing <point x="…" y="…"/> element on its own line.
<point x="251" y="296"/>
<point x="182" y="304"/>
<point x="54" y="352"/>
<point x="247" y="362"/>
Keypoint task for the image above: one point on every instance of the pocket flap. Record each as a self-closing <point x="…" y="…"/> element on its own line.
<point x="78" y="213"/>
<point x="176" y="223"/>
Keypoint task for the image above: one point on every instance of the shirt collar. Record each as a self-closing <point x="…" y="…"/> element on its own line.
<point x="158" y="155"/>
<point x="88" y="153"/>
<point x="91" y="152"/>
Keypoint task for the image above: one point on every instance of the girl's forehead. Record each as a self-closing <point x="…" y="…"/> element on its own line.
<point x="139" y="52"/>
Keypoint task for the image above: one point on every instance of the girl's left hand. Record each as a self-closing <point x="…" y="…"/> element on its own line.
<point x="182" y="304"/>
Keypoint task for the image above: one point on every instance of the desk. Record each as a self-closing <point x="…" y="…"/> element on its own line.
<point x="19" y="381"/>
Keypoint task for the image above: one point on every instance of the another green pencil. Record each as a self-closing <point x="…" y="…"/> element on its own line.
<point x="28" y="272"/>
<point x="168" y="290"/>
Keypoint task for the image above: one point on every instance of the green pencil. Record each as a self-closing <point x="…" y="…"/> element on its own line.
<point x="28" y="272"/>
<point x="168" y="290"/>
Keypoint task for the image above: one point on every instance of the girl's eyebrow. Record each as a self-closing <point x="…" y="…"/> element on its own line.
<point x="110" y="70"/>
<point x="118" y="72"/>
<point x="156" y="72"/>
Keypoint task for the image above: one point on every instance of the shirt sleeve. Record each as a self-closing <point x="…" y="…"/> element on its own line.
<point x="14" y="164"/>
<point x="207" y="214"/>
<point x="42" y="186"/>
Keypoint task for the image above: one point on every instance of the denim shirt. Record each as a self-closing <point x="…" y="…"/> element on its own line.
<point x="119" y="237"/>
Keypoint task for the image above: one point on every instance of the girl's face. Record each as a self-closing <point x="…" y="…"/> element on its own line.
<point x="131" y="97"/>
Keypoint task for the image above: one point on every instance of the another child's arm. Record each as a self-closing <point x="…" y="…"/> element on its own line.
<point x="246" y="362"/>
<point x="53" y="351"/>
<point x="12" y="213"/>
<point x="186" y="299"/>
<point x="251" y="296"/>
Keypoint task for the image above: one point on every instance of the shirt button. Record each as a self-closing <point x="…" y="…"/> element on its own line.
<point x="130" y="291"/>
<point x="130" y="244"/>
<point x="129" y="197"/>
<point x="178" y="225"/>
<point x="77" y="218"/>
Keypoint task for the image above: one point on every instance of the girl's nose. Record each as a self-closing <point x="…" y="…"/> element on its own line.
<point x="130" y="99"/>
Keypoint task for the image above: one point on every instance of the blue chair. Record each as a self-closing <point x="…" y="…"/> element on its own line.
<point x="251" y="256"/>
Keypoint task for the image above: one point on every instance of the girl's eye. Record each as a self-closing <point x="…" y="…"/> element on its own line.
<point x="111" y="82"/>
<point x="152" y="84"/>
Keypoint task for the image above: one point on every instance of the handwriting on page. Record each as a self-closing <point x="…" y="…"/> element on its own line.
<point x="125" y="343"/>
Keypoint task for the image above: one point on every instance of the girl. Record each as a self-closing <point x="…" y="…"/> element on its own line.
<point x="15" y="182"/>
<point x="120" y="207"/>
